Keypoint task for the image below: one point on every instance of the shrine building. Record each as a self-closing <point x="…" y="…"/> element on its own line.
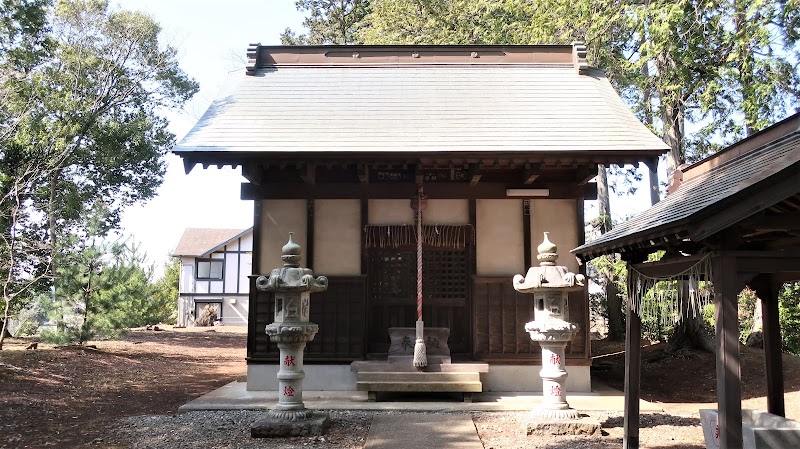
<point x="334" y="141"/>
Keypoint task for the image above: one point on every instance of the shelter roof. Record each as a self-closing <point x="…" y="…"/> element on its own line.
<point x="377" y="100"/>
<point x="200" y="242"/>
<point x="757" y="177"/>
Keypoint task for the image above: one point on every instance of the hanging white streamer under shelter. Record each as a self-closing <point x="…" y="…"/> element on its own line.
<point x="671" y="297"/>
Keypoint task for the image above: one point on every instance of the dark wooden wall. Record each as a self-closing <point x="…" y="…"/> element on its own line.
<point x="339" y="312"/>
<point x="500" y="317"/>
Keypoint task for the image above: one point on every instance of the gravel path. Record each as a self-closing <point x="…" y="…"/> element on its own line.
<point x="349" y="430"/>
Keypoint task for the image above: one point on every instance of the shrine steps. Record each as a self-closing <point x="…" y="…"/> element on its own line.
<point x="419" y="382"/>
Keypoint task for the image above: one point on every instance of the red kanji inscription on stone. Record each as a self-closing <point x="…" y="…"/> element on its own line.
<point x="555" y="359"/>
<point x="288" y="391"/>
<point x="555" y="390"/>
<point x="289" y="360"/>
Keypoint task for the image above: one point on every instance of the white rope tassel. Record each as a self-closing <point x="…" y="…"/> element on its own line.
<point x="420" y="356"/>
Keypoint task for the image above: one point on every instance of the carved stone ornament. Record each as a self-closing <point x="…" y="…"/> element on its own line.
<point x="548" y="275"/>
<point x="291" y="332"/>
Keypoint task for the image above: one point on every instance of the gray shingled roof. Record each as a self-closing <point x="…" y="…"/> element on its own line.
<point x="200" y="242"/>
<point x="707" y="194"/>
<point x="434" y="108"/>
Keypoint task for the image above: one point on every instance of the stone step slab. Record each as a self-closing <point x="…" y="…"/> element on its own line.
<point x="418" y="377"/>
<point x="421" y="387"/>
<point x="383" y="366"/>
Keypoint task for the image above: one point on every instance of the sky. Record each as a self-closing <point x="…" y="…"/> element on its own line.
<point x="211" y="38"/>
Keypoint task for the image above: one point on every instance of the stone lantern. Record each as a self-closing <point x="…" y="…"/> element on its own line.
<point x="550" y="285"/>
<point x="292" y="287"/>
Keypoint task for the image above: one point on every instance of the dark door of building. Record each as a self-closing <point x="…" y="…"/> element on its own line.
<point x="392" y="295"/>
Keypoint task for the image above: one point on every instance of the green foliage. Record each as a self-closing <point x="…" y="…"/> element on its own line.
<point x="329" y="22"/>
<point x="789" y="310"/>
<point x="746" y="303"/>
<point x="103" y="287"/>
<point x="164" y="300"/>
<point x="81" y="90"/>
<point x="104" y="290"/>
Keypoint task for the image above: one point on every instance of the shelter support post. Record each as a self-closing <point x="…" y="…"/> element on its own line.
<point x="767" y="289"/>
<point x="729" y="393"/>
<point x="633" y="360"/>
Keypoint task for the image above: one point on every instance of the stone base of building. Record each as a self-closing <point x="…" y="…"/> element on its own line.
<point x="499" y="378"/>
<point x="542" y="426"/>
<point x="274" y="427"/>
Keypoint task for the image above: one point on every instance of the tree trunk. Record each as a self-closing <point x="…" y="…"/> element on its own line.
<point x="51" y="222"/>
<point x="603" y="202"/>
<point x="688" y="334"/>
<point x="756" y="337"/>
<point x="647" y="107"/>
<point x="616" y="326"/>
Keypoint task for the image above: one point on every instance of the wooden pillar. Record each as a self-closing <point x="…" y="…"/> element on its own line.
<point x="527" y="205"/>
<point x="729" y="388"/>
<point x="310" y="233"/>
<point x="767" y="289"/>
<point x="253" y="292"/>
<point x="633" y="363"/>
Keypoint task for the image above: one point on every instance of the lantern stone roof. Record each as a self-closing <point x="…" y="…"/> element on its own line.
<point x="472" y="100"/>
<point x="548" y="275"/>
<point x="752" y="187"/>
<point x="200" y="242"/>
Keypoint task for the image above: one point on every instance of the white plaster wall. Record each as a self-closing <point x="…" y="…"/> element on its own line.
<point x="516" y="378"/>
<point x="214" y="287"/>
<point x="246" y="270"/>
<point x="231" y="275"/>
<point x="337" y="237"/>
<point x="234" y="314"/>
<point x="318" y="377"/>
<point x="390" y="212"/>
<point x="526" y="378"/>
<point x="559" y="218"/>
<point x="446" y="212"/>
<point x="499" y="247"/>
<point x="278" y="218"/>
<point x="186" y="284"/>
<point x="247" y="242"/>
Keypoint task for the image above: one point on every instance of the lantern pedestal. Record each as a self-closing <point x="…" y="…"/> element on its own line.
<point x="554" y="404"/>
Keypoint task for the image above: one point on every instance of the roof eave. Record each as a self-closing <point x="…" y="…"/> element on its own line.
<point x="220" y="156"/>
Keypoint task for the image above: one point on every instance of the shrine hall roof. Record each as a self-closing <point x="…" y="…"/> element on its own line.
<point x="413" y="99"/>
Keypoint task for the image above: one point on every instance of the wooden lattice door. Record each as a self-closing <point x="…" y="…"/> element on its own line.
<point x="392" y="295"/>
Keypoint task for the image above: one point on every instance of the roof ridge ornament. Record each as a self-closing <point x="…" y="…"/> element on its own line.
<point x="252" y="58"/>
<point x="579" y="57"/>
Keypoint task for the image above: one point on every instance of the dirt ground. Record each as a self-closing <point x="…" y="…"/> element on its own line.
<point x="68" y="397"/>
<point x="65" y="397"/>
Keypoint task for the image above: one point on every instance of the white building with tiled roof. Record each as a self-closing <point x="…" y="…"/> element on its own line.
<point x="215" y="265"/>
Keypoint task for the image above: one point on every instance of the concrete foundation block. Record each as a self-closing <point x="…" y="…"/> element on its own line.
<point x="583" y="426"/>
<point x="272" y="427"/>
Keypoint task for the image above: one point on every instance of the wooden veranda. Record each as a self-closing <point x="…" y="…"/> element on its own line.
<point x="739" y="211"/>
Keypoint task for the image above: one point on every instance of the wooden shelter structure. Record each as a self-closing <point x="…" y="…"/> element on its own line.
<point x="334" y="141"/>
<point x="732" y="219"/>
